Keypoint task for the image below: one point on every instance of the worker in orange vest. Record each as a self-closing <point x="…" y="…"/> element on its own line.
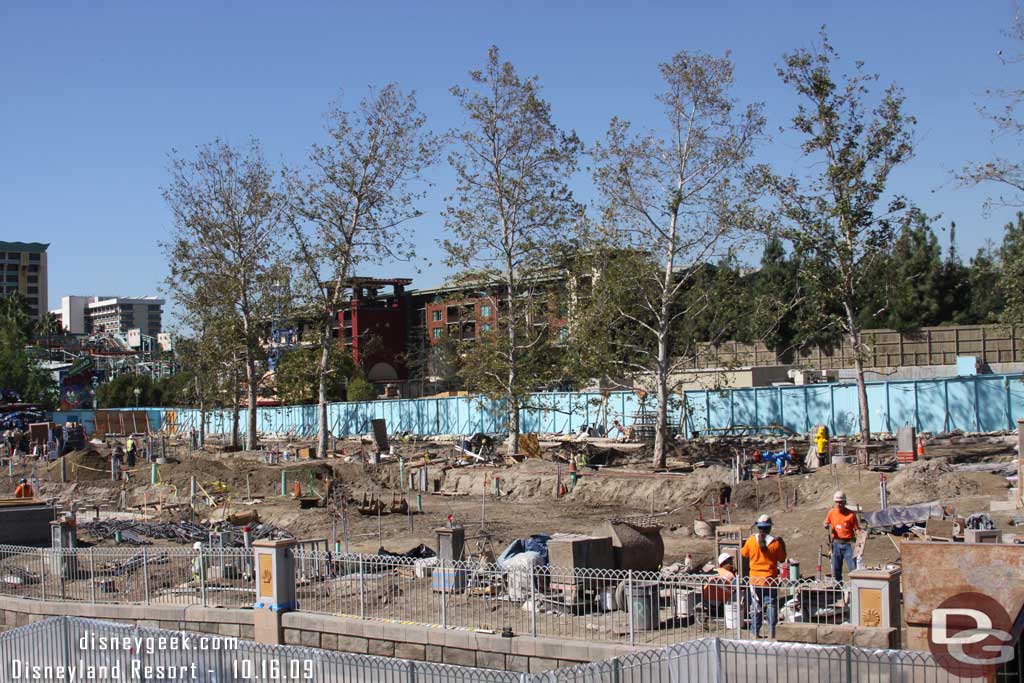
<point x="24" y="489"/>
<point x="763" y="553"/>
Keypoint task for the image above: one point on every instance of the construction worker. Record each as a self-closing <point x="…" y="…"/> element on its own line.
<point x="763" y="553"/>
<point x="821" y="441"/>
<point x="199" y="562"/>
<point x="726" y="567"/>
<point x="130" y="449"/>
<point x="842" y="526"/>
<point x="24" y="489"/>
<point x="718" y="590"/>
<point x="573" y="471"/>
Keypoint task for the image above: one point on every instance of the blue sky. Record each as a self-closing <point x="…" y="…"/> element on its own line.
<point x="95" y="95"/>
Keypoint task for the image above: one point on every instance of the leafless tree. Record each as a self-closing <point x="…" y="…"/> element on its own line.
<point x="353" y="203"/>
<point x="225" y="245"/>
<point x="511" y="207"/>
<point x="675" y="195"/>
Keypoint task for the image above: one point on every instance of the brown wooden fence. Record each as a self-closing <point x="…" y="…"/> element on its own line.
<point x="120" y="422"/>
<point x="885" y="349"/>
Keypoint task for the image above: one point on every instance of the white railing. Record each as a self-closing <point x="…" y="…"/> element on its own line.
<point x="219" y="577"/>
<point x="581" y="604"/>
<point x="57" y="642"/>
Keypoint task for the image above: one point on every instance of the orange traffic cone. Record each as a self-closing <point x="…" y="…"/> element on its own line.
<point x="297" y="490"/>
<point x="920" y="448"/>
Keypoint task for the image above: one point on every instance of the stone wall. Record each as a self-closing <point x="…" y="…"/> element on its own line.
<point x="405" y="641"/>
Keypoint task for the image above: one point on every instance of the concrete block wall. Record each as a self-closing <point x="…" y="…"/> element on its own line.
<point x="420" y="643"/>
<point x="837" y="634"/>
<point x="234" y="623"/>
<point x="448" y="646"/>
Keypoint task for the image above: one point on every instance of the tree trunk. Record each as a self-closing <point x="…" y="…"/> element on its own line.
<point x="513" y="403"/>
<point x="862" y="389"/>
<point x="251" y="437"/>
<point x="325" y="363"/>
<point x="862" y="400"/>
<point x="661" y="424"/>
<point x="235" y="431"/>
<point x="513" y="358"/>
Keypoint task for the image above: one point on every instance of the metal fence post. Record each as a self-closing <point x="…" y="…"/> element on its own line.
<point x="145" y="573"/>
<point x="739" y="603"/>
<point x="92" y="574"/>
<point x="444" y="595"/>
<point x="616" y="669"/>
<point x="42" y="573"/>
<point x="849" y="664"/>
<point x="533" y="606"/>
<point x="629" y="606"/>
<point x="716" y="660"/>
<point x="202" y="577"/>
<point x="412" y="671"/>
<point x="362" y="592"/>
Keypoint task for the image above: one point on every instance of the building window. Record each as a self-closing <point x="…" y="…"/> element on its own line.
<point x="438" y="332"/>
<point x="33" y="290"/>
<point x="12" y="266"/>
<point x="485" y="311"/>
<point x="33" y="278"/>
<point x="436" y="316"/>
<point x="33" y="267"/>
<point x="486" y="327"/>
<point x="33" y="257"/>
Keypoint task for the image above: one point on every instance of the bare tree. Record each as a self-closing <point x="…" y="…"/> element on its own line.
<point x="673" y="203"/>
<point x="1006" y="121"/>
<point x="840" y="217"/>
<point x="225" y="245"/>
<point x="353" y="203"/>
<point x="511" y="207"/>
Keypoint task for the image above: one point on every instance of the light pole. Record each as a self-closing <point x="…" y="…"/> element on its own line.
<point x="137" y="391"/>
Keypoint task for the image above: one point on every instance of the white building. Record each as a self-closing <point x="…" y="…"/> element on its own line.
<point x="117" y="315"/>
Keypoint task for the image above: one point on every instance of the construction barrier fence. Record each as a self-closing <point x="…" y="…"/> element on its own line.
<point x="980" y="403"/>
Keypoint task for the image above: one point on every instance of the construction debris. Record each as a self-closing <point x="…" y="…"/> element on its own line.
<point x="137" y="533"/>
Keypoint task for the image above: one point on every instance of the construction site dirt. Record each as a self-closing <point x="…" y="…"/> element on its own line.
<point x="500" y="503"/>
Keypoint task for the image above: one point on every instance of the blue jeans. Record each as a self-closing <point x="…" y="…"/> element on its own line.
<point x="839" y="551"/>
<point x="761" y="597"/>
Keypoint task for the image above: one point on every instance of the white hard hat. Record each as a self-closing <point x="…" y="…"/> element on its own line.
<point x="764" y="520"/>
<point x="723" y="558"/>
<point x="839" y="495"/>
<point x="197" y="545"/>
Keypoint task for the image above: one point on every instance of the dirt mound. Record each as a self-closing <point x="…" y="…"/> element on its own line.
<point x="84" y="465"/>
<point x="927" y="480"/>
<point x="631" y="490"/>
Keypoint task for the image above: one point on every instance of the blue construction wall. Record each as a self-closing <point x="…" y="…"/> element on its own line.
<point x="981" y="403"/>
<point x="978" y="403"/>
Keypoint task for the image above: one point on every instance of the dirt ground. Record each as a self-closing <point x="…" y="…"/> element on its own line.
<point x="526" y="502"/>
